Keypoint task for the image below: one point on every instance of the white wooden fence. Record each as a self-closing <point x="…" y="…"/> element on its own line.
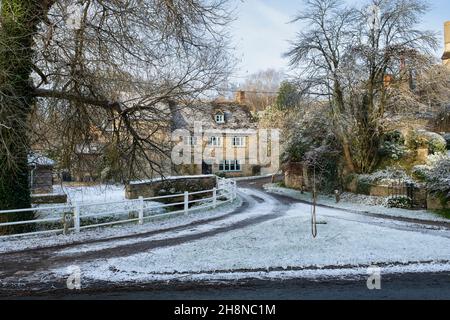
<point x="79" y="216"/>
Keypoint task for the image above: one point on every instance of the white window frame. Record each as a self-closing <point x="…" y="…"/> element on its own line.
<point x="238" y="142"/>
<point x="220" y="118"/>
<point x="215" y="141"/>
<point x="230" y="166"/>
<point x="190" y="141"/>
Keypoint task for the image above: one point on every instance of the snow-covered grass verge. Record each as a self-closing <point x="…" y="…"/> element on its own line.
<point x="346" y="244"/>
<point x="41" y="241"/>
<point x="94" y="193"/>
<point x="359" y="203"/>
<point x="101" y="196"/>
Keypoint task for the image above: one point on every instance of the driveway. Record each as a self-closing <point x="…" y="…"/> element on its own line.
<point x="22" y="272"/>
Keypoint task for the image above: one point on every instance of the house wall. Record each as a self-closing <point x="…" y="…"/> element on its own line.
<point x="226" y="152"/>
<point x="446" y="56"/>
<point x="41" y="180"/>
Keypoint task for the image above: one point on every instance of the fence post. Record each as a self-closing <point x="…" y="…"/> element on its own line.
<point x="76" y="218"/>
<point x="234" y="190"/>
<point x="214" y="198"/>
<point x="141" y="210"/>
<point x="186" y="202"/>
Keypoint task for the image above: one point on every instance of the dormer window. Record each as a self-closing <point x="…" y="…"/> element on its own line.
<point x="220" y="118"/>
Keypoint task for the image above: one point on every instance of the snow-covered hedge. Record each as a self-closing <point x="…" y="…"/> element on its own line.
<point x="386" y="177"/>
<point x="399" y="202"/>
<point x="436" y="174"/>
<point x="392" y="145"/>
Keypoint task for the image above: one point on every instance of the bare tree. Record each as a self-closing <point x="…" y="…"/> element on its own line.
<point x="102" y="62"/>
<point x="261" y="88"/>
<point x="345" y="54"/>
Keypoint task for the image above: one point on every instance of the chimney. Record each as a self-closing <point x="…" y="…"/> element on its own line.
<point x="447" y="36"/>
<point x="446" y="56"/>
<point x="240" y="97"/>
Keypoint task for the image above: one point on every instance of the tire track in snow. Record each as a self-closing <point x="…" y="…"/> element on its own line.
<point x="30" y="261"/>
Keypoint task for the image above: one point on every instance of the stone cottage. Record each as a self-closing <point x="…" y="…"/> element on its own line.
<point x="227" y="129"/>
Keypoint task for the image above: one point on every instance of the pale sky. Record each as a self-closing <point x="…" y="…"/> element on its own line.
<point x="261" y="31"/>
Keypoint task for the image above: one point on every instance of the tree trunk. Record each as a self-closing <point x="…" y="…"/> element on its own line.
<point x="348" y="157"/>
<point x="19" y="20"/>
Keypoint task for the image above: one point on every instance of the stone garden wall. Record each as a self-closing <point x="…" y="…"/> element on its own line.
<point x="296" y="176"/>
<point x="379" y="190"/>
<point x="48" y="198"/>
<point x="169" y="186"/>
<point x="435" y="203"/>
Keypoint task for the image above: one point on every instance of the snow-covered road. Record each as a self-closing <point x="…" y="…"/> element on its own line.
<point x="267" y="237"/>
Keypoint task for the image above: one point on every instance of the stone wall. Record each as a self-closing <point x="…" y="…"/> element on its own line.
<point x="49" y="198"/>
<point x="419" y="193"/>
<point x="435" y="203"/>
<point x="296" y="176"/>
<point x="170" y="185"/>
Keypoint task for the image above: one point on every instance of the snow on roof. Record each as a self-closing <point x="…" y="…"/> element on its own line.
<point x="40" y="160"/>
<point x="236" y="116"/>
<point x="172" y="178"/>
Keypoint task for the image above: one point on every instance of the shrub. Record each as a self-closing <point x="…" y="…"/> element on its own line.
<point x="436" y="174"/>
<point x="221" y="174"/>
<point x="438" y="179"/>
<point x="433" y="141"/>
<point x="437" y="145"/>
<point x="392" y="145"/>
<point x="348" y="179"/>
<point x="387" y="176"/>
<point x="399" y="202"/>
<point x="392" y="150"/>
<point x="393" y="137"/>
<point x="420" y="172"/>
<point x="363" y="186"/>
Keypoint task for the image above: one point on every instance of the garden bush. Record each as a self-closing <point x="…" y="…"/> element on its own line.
<point x="399" y="202"/>
<point x="392" y="145"/>
<point x="431" y="140"/>
<point x="386" y="177"/>
<point x="436" y="175"/>
<point x="363" y="186"/>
